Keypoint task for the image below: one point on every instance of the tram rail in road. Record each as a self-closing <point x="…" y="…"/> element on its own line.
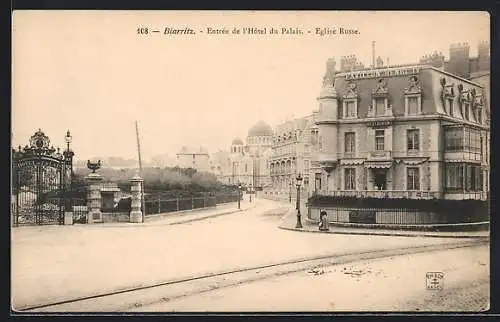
<point x="139" y="297"/>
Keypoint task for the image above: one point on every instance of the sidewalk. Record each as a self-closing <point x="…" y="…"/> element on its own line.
<point x="182" y="217"/>
<point x="164" y="219"/>
<point x="289" y="221"/>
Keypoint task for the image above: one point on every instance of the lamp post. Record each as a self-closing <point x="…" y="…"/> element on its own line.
<point x="68" y="155"/>
<point x="290" y="192"/>
<point x="251" y="191"/>
<point x="299" y="181"/>
<point x="239" y="194"/>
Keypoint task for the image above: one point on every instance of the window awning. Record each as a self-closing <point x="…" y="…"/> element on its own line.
<point x="378" y="165"/>
<point x="414" y="161"/>
<point x="352" y="161"/>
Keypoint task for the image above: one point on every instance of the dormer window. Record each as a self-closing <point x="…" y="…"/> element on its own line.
<point x="379" y="106"/>
<point x="465" y="100"/>
<point x="413" y="105"/>
<point x="450" y="106"/>
<point x="350" y="101"/>
<point x="350" y="109"/>
<point x="478" y="106"/>
<point x="380" y="100"/>
<point x="413" y="97"/>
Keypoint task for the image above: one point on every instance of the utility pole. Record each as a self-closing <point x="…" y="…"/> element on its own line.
<point x="373" y="54"/>
<point x="143" y="206"/>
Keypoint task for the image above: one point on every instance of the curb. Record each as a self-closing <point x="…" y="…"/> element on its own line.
<point x="409" y="227"/>
<point x="379" y="233"/>
<point x="163" y="215"/>
<point x="362" y="231"/>
<point x="209" y="217"/>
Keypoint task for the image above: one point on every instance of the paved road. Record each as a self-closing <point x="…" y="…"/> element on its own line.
<point x="61" y="263"/>
<point x="388" y="284"/>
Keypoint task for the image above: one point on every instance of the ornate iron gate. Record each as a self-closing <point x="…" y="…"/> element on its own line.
<point x="41" y="177"/>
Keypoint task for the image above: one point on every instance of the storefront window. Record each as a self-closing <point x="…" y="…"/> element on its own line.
<point x="454" y="177"/>
<point x="457" y="172"/>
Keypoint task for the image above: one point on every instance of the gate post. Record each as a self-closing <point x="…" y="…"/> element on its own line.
<point x="68" y="216"/>
<point x="94" y="198"/>
<point x="135" y="189"/>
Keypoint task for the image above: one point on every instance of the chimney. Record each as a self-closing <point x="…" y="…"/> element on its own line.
<point x="483" y="56"/>
<point x="329" y="76"/>
<point x="459" y="60"/>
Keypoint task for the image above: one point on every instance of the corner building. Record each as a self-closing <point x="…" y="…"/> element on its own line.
<point x="410" y="131"/>
<point x="294" y="142"/>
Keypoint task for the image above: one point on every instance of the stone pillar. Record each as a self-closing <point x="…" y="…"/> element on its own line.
<point x="136" y="190"/>
<point x="94" y="214"/>
<point x="68" y="217"/>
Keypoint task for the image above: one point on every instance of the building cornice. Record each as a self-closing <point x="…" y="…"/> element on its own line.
<point x="402" y="119"/>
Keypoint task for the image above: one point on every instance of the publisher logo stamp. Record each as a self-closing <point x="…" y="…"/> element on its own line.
<point x="434" y="280"/>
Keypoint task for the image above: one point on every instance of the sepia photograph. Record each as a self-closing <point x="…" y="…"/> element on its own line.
<point x="250" y="161"/>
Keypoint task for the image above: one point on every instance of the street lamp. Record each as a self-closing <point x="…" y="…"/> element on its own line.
<point x="239" y="194"/>
<point x="68" y="156"/>
<point x="299" y="181"/>
<point x="290" y="192"/>
<point x="251" y="191"/>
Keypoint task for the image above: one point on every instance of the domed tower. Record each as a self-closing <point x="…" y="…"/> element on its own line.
<point x="260" y="137"/>
<point x="259" y="140"/>
<point x="237" y="146"/>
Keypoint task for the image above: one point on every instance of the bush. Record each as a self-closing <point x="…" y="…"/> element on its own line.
<point x="478" y="209"/>
<point x="170" y="179"/>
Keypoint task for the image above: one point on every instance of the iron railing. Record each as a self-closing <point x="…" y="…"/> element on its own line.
<point x="158" y="203"/>
<point x="383" y="194"/>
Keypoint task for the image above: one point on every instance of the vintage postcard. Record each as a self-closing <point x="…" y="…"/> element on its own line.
<point x="250" y="161"/>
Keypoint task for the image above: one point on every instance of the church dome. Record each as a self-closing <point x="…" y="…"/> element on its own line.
<point x="261" y="129"/>
<point x="237" y="141"/>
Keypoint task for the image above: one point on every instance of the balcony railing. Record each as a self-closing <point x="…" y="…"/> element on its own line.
<point x="480" y="195"/>
<point x="393" y="194"/>
<point x="378" y="155"/>
<point x="326" y="157"/>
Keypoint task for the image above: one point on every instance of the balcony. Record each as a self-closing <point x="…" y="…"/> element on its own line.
<point x="326" y="158"/>
<point x="380" y="155"/>
<point x="279" y="156"/>
<point x="464" y="156"/>
<point x="480" y="195"/>
<point x="389" y="194"/>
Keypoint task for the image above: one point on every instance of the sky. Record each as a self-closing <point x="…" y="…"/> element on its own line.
<point x="92" y="73"/>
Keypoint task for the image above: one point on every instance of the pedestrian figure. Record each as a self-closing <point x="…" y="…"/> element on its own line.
<point x="323" y="222"/>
